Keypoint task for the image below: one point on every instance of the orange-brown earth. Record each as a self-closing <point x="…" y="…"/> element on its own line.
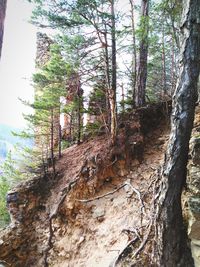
<point x="98" y="202"/>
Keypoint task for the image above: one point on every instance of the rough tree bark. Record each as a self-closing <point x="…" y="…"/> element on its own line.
<point x="3" y="4"/>
<point x="172" y="242"/>
<point x="142" y="64"/>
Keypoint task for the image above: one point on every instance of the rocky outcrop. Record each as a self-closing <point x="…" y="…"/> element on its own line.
<point x="43" y="55"/>
<point x="3" y="4"/>
<point x="98" y="106"/>
<point x="43" y="49"/>
<point x="74" y="101"/>
<point x="25" y="204"/>
<point x="191" y="196"/>
<point x="194" y="199"/>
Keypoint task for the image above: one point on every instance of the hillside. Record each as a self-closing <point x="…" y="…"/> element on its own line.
<point x="99" y="201"/>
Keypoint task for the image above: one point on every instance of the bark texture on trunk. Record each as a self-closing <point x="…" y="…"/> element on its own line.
<point x="3" y="4"/>
<point x="142" y="67"/>
<point x="173" y="249"/>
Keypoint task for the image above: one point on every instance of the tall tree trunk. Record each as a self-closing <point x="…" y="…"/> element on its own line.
<point x="59" y="142"/>
<point x="3" y="4"/>
<point x="142" y="67"/>
<point x="134" y="55"/>
<point x="113" y="105"/>
<point x="107" y="75"/>
<point x="164" y="79"/>
<point x="52" y="142"/>
<point x="123" y="99"/>
<point x="172" y="67"/>
<point x="79" y="109"/>
<point x="173" y="250"/>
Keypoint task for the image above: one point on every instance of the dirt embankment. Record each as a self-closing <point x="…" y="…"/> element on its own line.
<point x="97" y="204"/>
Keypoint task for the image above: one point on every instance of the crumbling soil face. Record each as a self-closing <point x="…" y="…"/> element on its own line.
<point x="96" y="231"/>
<point x="99" y="201"/>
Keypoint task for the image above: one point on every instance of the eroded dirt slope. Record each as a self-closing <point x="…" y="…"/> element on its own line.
<point x="98" y="202"/>
<point x="103" y="227"/>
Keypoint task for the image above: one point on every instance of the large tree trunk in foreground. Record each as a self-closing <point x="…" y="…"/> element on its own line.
<point x="2" y="18"/>
<point x="173" y="250"/>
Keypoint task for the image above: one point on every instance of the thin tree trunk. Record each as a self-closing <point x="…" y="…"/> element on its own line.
<point x="164" y="84"/>
<point x="52" y="142"/>
<point x="3" y="4"/>
<point x="134" y="55"/>
<point x="59" y="135"/>
<point x="59" y="142"/>
<point x="107" y="75"/>
<point x="172" y="68"/>
<point x="123" y="98"/>
<point x="113" y="105"/>
<point x="173" y="250"/>
<point x="79" y="110"/>
<point x="70" y="128"/>
<point x="142" y="67"/>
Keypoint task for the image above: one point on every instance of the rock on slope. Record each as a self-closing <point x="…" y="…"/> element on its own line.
<point x="99" y="201"/>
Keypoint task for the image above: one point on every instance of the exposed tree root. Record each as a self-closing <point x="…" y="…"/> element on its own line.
<point x="112" y="192"/>
<point x="125" y="251"/>
<point x="102" y="196"/>
<point x="154" y="213"/>
<point x="145" y="240"/>
<point x="132" y="230"/>
<point x="53" y="215"/>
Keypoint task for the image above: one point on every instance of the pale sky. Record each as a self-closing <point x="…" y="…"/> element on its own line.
<point x="17" y="62"/>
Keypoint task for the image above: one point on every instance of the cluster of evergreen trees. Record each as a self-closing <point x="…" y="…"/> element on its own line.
<point x="119" y="44"/>
<point x="123" y="52"/>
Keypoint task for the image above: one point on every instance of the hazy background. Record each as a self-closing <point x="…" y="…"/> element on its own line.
<point x="17" y="62"/>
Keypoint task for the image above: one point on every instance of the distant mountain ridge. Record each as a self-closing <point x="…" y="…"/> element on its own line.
<point x="8" y="140"/>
